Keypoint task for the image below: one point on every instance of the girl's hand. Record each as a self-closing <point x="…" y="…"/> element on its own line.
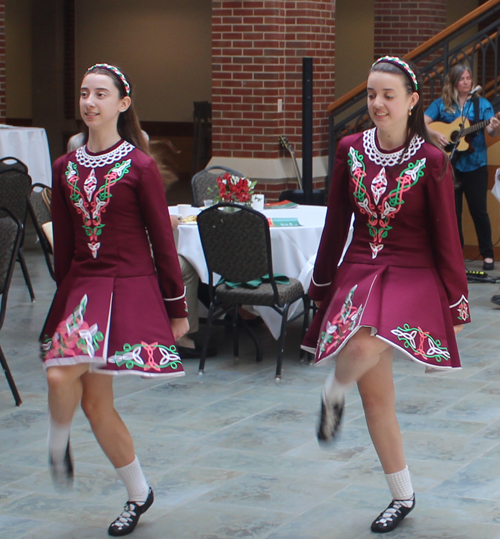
<point x="180" y="326"/>
<point x="318" y="304"/>
<point x="458" y="329"/>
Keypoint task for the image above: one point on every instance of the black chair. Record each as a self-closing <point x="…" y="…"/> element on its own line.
<point x="39" y="209"/>
<point x="204" y="183"/>
<point x="15" y="189"/>
<point x="12" y="162"/>
<point x="237" y="246"/>
<point x="10" y="240"/>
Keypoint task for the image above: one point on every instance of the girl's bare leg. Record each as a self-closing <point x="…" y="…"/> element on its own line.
<point x="376" y="388"/>
<point x="65" y="392"/>
<point x="361" y="353"/>
<point x="107" y="425"/>
<point x="112" y="433"/>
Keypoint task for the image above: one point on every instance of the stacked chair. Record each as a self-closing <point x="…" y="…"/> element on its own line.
<point x="15" y="189"/>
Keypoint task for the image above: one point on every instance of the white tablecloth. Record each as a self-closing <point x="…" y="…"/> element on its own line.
<point x="29" y="145"/>
<point x="293" y="248"/>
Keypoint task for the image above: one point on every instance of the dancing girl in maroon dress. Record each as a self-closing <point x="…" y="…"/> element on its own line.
<point x="402" y="283"/>
<point x="119" y="305"/>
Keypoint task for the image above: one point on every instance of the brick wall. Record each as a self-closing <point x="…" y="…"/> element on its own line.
<point x="257" y="50"/>
<point x="3" y="104"/>
<point x="400" y="25"/>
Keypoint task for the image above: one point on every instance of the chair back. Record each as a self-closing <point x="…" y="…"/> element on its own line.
<point x="204" y="183"/>
<point x="10" y="239"/>
<point x="39" y="209"/>
<point x="7" y="163"/>
<point x="236" y="242"/>
<point x="39" y="201"/>
<point x="15" y="188"/>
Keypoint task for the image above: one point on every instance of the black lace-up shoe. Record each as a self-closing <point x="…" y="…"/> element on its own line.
<point x="390" y="519"/>
<point x="130" y="516"/>
<point x="62" y="472"/>
<point x="331" y="416"/>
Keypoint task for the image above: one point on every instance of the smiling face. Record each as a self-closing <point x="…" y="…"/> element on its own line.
<point x="389" y="102"/>
<point x="100" y="102"/>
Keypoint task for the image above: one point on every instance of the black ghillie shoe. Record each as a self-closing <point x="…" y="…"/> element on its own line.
<point x="130" y="516"/>
<point x="331" y="415"/>
<point x="62" y="472"/>
<point x="390" y="519"/>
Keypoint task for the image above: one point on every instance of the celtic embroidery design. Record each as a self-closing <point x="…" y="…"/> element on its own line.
<point x="421" y="343"/>
<point x="93" y="204"/>
<point x="462" y="307"/>
<point x="73" y="336"/>
<point x="381" y="209"/>
<point x="343" y="323"/>
<point x="132" y="357"/>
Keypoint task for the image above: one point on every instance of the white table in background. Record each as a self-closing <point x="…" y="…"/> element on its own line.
<point x="29" y="145"/>
<point x="293" y="249"/>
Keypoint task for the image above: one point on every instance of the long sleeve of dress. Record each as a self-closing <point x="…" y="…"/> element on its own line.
<point x="157" y="219"/>
<point x="336" y="229"/>
<point x="64" y="239"/>
<point x="446" y="242"/>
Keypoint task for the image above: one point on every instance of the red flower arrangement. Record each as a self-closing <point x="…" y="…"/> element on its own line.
<point x="234" y="189"/>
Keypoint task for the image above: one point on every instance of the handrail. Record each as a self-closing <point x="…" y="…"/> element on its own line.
<point x="419" y="50"/>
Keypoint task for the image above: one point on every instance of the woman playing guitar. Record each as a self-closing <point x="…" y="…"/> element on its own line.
<point x="457" y="106"/>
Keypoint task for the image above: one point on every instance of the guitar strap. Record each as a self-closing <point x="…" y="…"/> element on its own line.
<point x="475" y="101"/>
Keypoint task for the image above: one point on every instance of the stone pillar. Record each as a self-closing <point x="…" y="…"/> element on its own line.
<point x="257" y="51"/>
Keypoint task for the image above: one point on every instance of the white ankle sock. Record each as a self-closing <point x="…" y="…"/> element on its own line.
<point x="135" y="482"/>
<point x="400" y="485"/>
<point x="334" y="390"/>
<point x="58" y="439"/>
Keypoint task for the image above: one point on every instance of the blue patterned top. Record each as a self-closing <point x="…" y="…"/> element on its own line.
<point x="467" y="161"/>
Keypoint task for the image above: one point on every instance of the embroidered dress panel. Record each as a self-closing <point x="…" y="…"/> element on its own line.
<point x="92" y="209"/>
<point x="379" y="215"/>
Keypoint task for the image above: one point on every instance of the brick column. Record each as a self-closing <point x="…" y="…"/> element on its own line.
<point x="257" y="51"/>
<point x="3" y="104"/>
<point x="400" y="26"/>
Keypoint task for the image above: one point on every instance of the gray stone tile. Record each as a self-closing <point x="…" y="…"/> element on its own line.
<point x="233" y="453"/>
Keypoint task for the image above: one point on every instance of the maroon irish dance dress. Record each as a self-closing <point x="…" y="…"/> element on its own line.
<point x="113" y="300"/>
<point x="403" y="273"/>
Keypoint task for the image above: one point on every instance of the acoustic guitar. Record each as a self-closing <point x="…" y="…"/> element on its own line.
<point x="459" y="129"/>
<point x="286" y="144"/>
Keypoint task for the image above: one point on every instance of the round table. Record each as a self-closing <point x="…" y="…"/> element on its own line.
<point x="29" y="145"/>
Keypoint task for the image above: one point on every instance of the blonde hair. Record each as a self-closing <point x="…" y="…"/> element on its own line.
<point x="450" y="92"/>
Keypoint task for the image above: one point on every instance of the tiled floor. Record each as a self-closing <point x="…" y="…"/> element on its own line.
<point x="233" y="454"/>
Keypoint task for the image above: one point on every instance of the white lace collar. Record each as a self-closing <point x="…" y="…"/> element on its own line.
<point x="388" y="159"/>
<point x="103" y="159"/>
